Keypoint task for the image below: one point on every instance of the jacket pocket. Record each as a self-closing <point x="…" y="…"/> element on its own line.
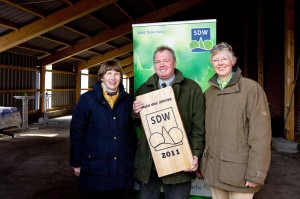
<point x="233" y="166"/>
<point x="93" y="164"/>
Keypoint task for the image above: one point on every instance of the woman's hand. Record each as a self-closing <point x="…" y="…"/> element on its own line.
<point x="77" y="170"/>
<point x="250" y="184"/>
<point x="199" y="174"/>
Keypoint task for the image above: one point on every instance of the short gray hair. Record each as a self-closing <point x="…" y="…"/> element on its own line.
<point x="225" y="47"/>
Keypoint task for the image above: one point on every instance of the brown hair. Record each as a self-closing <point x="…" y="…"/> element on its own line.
<point x="109" y="65"/>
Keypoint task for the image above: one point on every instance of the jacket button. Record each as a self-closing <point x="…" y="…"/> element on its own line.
<point x="115" y="158"/>
<point x="114" y="118"/>
<point x="115" y="138"/>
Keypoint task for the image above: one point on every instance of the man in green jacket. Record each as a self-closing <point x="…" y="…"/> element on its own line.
<point x="191" y="105"/>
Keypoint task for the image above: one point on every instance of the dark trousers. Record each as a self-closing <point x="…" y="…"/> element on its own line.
<point x="171" y="191"/>
<point x="119" y="194"/>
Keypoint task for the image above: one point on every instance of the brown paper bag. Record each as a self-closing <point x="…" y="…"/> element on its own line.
<point x="165" y="132"/>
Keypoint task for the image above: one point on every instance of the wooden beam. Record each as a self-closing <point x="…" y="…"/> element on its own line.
<point x="129" y="74"/>
<point x="18" y="67"/>
<point x="127" y="61"/>
<point x="128" y="69"/>
<point x="60" y="89"/>
<point x="111" y="34"/>
<point x="19" y="91"/>
<point x="79" y="58"/>
<point x="89" y="75"/>
<point x="107" y="56"/>
<point x="51" y="22"/>
<point x="61" y="72"/>
<point x="78" y="86"/>
<point x="289" y="82"/>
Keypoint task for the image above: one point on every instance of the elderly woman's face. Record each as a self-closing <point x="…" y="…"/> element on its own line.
<point x="112" y="79"/>
<point x="222" y="64"/>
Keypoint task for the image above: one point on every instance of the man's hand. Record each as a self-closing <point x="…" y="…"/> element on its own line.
<point x="137" y="107"/>
<point x="194" y="165"/>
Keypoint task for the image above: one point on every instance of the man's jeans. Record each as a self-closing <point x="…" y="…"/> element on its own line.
<point x="171" y="191"/>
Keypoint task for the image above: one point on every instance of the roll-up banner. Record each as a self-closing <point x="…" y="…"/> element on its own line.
<point x="192" y="42"/>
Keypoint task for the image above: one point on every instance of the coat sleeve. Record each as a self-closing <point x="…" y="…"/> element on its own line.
<point x="197" y="136"/>
<point x="79" y="123"/>
<point x="131" y="128"/>
<point x="259" y="137"/>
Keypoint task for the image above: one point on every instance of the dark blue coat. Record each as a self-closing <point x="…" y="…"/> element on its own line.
<point x="103" y="141"/>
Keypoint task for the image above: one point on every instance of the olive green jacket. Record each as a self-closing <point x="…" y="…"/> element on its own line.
<point x="238" y="135"/>
<point x="191" y="105"/>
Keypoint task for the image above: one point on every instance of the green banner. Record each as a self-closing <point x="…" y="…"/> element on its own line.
<point x="191" y="41"/>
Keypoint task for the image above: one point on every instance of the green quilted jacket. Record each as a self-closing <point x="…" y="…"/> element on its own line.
<point x="191" y="105"/>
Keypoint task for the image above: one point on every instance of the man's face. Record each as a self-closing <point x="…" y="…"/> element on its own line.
<point x="164" y="64"/>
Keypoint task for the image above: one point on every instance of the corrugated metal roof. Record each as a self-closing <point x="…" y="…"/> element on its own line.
<point x="66" y="34"/>
<point x="88" y="24"/>
<point x="85" y="33"/>
<point x="15" y="15"/>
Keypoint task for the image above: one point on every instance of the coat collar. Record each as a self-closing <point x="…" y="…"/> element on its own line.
<point x="153" y="80"/>
<point x="99" y="93"/>
<point x="232" y="85"/>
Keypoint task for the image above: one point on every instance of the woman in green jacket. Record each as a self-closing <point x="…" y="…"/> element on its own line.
<point x="237" y="153"/>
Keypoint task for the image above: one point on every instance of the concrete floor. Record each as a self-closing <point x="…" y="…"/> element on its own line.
<point x="34" y="165"/>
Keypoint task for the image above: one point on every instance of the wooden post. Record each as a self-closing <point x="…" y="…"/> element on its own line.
<point x="78" y="85"/>
<point x="289" y="123"/>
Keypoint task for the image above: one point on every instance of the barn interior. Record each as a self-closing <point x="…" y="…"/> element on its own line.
<point x="50" y="52"/>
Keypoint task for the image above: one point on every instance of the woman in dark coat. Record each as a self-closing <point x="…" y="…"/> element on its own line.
<point x="103" y="138"/>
